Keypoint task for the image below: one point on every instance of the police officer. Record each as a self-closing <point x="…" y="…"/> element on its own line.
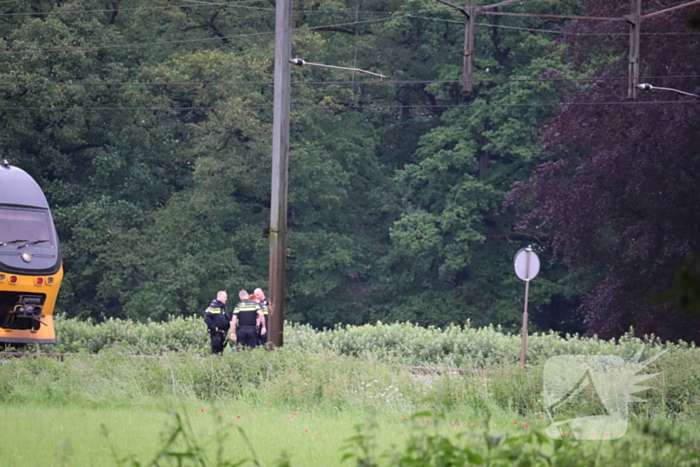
<point x="246" y="316"/>
<point x="265" y="305"/>
<point x="217" y="322"/>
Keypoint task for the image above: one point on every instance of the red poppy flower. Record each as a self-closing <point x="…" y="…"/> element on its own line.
<point x="515" y="421"/>
<point x="526" y="425"/>
<point x="201" y="410"/>
<point x="238" y="416"/>
<point x="306" y="430"/>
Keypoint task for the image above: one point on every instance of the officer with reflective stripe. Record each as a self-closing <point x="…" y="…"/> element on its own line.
<point x="265" y="305"/>
<point x="217" y="322"/>
<point x="247" y="314"/>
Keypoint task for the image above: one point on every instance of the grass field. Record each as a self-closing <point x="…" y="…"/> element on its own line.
<point x="74" y="435"/>
<point x="346" y="397"/>
<point x="80" y="436"/>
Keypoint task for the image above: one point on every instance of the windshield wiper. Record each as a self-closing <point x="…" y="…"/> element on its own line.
<point x="13" y="241"/>
<point x="31" y="243"/>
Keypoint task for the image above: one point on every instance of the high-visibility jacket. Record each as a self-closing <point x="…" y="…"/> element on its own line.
<point x="216" y="317"/>
<point x="247" y="312"/>
<point x="265" y="305"/>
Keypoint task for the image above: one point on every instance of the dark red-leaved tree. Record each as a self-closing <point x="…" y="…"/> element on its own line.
<point x="623" y="192"/>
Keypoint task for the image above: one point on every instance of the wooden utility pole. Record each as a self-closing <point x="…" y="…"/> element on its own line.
<point x="280" y="164"/>
<point x="635" y="20"/>
<point x="468" y="65"/>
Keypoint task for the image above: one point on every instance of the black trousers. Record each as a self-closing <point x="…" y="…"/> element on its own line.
<point x="262" y="340"/>
<point x="217" y="342"/>
<point x="247" y="336"/>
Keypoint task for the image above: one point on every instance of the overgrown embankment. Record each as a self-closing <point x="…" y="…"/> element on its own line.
<point x="123" y="361"/>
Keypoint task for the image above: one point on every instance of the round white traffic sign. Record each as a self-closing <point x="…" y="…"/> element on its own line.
<point x="527" y="264"/>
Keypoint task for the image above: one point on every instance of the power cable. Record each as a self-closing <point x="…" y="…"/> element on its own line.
<point x="190" y="4"/>
<point x="309" y="28"/>
<point x="358" y="107"/>
<point x="554" y="31"/>
<point x="346" y="82"/>
<point x="127" y="10"/>
<point x="182" y="41"/>
<point x="135" y="44"/>
<point x="299" y="10"/>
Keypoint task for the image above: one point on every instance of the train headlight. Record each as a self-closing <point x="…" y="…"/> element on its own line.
<point x="2" y="277"/>
<point x="27" y="257"/>
<point x="49" y="281"/>
<point x="39" y="280"/>
<point x="13" y="280"/>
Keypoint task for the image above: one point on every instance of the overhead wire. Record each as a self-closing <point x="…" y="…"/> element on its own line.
<point x="127" y="10"/>
<point x="354" y="23"/>
<point x="182" y="41"/>
<point x="307" y="28"/>
<point x="346" y="82"/>
<point x="191" y="4"/>
<point x="357" y="107"/>
<point x="555" y="31"/>
<point x="296" y="9"/>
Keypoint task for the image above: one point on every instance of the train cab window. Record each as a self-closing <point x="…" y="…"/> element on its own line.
<point x="20" y="226"/>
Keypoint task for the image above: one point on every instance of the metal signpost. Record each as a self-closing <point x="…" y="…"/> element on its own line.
<point x="527" y="265"/>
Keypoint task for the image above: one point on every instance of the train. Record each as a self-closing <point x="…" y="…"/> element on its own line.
<point x="31" y="269"/>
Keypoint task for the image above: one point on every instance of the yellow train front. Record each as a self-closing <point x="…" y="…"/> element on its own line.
<point x="30" y="261"/>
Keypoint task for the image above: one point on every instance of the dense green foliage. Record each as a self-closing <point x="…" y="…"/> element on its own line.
<point x="148" y="126"/>
<point x="403" y="343"/>
<point x="409" y="343"/>
<point x="619" y="197"/>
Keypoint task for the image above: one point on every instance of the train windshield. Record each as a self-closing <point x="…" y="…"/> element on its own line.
<point x="25" y="226"/>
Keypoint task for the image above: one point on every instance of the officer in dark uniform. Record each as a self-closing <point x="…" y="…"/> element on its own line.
<point x="265" y="305"/>
<point x="247" y="314"/>
<point x="217" y="322"/>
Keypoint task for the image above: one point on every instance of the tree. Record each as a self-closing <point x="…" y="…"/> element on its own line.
<point x="620" y="197"/>
<point x="453" y="245"/>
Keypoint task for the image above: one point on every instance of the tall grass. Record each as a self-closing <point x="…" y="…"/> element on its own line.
<point x="352" y="373"/>
<point x="313" y="378"/>
<point x="459" y="346"/>
<point x="335" y="366"/>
